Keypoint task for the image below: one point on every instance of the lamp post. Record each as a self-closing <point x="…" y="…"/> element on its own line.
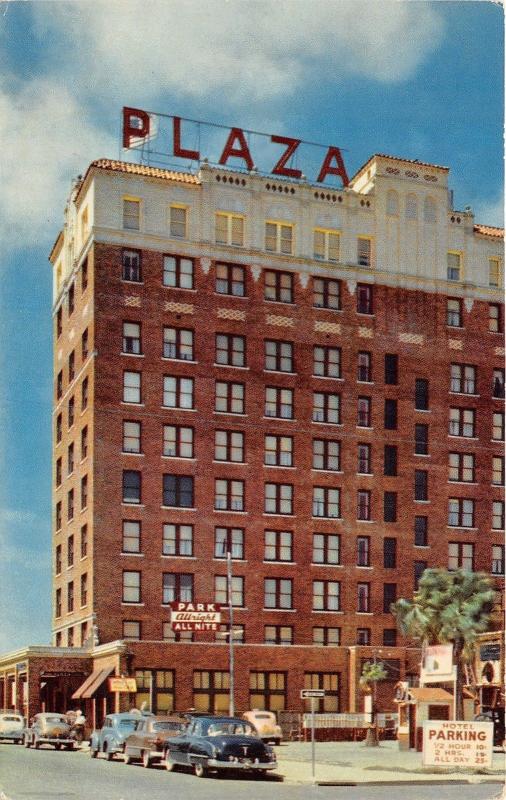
<point x="231" y="703"/>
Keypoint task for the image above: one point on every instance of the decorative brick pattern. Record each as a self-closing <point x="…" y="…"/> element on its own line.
<point x="327" y="327"/>
<point x="132" y="300"/>
<point x="178" y="308"/>
<point x="231" y="313"/>
<point x="281" y="322"/>
<point x="499" y="351"/>
<point x="366" y="333"/>
<point x="455" y="344"/>
<point x="411" y="338"/>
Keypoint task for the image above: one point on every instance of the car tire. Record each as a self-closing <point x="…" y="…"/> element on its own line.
<point x="277" y="742"/>
<point x="36" y="744"/>
<point x="200" y="770"/>
<point x="146" y="760"/>
<point x="107" y="753"/>
<point x="57" y="747"/>
<point x="93" y="752"/>
<point x="127" y="758"/>
<point x="169" y="765"/>
<point x="26" y="742"/>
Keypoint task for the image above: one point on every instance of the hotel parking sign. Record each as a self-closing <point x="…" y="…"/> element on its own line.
<point x="462" y="744"/>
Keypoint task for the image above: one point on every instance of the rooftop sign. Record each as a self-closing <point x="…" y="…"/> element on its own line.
<point x="161" y="138"/>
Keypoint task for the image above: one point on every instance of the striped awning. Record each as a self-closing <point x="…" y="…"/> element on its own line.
<point x="92" y="683"/>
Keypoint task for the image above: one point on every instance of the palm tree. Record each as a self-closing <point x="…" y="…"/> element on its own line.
<point x="372" y="672"/>
<point x="448" y="608"/>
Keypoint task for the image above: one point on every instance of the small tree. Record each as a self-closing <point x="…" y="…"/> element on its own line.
<point x="448" y="608"/>
<point x="372" y="672"/>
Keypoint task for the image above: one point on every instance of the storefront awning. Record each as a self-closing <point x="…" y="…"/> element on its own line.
<point x="92" y="683"/>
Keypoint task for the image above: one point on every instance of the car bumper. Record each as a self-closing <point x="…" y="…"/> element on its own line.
<point x="213" y="763"/>
<point x="12" y="735"/>
<point x="53" y="740"/>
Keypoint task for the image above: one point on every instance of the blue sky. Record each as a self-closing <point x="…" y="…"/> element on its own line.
<point x="415" y="79"/>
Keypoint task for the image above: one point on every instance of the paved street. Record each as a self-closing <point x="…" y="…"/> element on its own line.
<point x="49" y="775"/>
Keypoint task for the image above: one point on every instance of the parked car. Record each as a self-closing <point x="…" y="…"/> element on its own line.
<point x="216" y="743"/>
<point x="12" y="726"/>
<point x="110" y="739"/>
<point x="49" y="728"/>
<point x="265" y="724"/>
<point x="146" y="742"/>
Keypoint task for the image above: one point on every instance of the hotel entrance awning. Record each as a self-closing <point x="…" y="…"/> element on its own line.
<point x="92" y="683"/>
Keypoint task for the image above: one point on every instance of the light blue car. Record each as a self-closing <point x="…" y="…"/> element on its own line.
<point x="111" y="738"/>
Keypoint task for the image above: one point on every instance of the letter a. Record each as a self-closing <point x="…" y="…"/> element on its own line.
<point x="328" y="169"/>
<point x="238" y="152"/>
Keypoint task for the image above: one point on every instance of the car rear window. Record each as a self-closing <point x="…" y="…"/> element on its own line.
<point x="167" y="726"/>
<point x="263" y="716"/>
<point x="230" y="729"/>
<point x="128" y="723"/>
<point x="11" y="719"/>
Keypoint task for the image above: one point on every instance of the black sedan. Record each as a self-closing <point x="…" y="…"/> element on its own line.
<point x="215" y="743"/>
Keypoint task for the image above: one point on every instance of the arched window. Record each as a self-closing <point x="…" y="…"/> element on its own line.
<point x="392" y="203"/>
<point x="429" y="209"/>
<point x="411" y="206"/>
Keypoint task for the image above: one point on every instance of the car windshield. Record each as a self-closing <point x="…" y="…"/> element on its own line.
<point x="131" y="724"/>
<point x="166" y="726"/>
<point x="10" y="719"/>
<point x="230" y="728"/>
<point x="53" y="720"/>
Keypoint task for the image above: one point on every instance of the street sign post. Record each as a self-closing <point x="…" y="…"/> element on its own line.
<point x="312" y="694"/>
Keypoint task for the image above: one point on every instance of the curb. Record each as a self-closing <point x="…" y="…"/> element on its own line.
<point x="409" y="783"/>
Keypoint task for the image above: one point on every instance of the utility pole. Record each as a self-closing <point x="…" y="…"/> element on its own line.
<point x="231" y="703"/>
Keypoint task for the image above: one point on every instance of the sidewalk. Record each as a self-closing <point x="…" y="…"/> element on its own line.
<point x="349" y="763"/>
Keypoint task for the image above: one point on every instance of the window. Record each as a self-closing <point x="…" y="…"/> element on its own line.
<point x="421" y="439"/>
<point x="177" y="540"/>
<point x="211" y="689"/>
<point x="229" y="397"/>
<point x="389" y="553"/>
<point x="461" y="467"/>
<point x="267" y="690"/>
<point x="454" y="312"/>
<point x="460" y="556"/>
<point x="229" y="446"/>
<point x="494" y="318"/>
<point x="58" y="604"/>
<point x="498" y="426"/>
<point x="70" y="551"/>
<point x="84" y="491"/>
<point x="71" y="411"/>
<point x="460" y="513"/>
<point x="131" y="486"/>
<point x="58" y="516"/>
<point x="278" y="498"/>
<point x="84" y="265"/>
<point x="278" y="402"/>
<point x="131" y="387"/>
<point x="70" y="459"/>
<point x="84" y="589"/>
<point x="177" y="586"/>
<point x="84" y="394"/>
<point x="419" y="568"/>
<point x="498" y="515"/>
<point x="229" y="229"/>
<point x="278" y="286"/>
<point x="278" y="545"/>
<point x="131" y="436"/>
<point x="498" y="383"/>
<point x="228" y="494"/>
<point x="230" y="279"/>
<point x="421" y="531"/>
<point x="71" y="299"/>
<point x="390" y="415"/>
<point x="392" y="203"/>
<point x="363" y="504"/>
<point x="498" y="470"/>
<point x="326" y="408"/>
<point x="454" y="266"/>
<point x="84" y="345"/>
<point x="390" y="506"/>
<point x="329" y="682"/>
<point x="279" y="238"/>
<point x="278" y="634"/>
<point x="326" y="455"/>
<point x="178" y="441"/>
<point x="229" y="540"/>
<point x="364" y="459"/>
<point x="132" y="338"/>
<point x="58" y="560"/>
<point x="278" y="593"/>
<point x="463" y="378"/>
<point x="59" y="321"/>
<point x="325" y="245"/>
<point x="131" y="266"/>
<point x="364" y="367"/>
<point x="326" y="637"/>
<point x="462" y="422"/>
<point x="429" y="210"/>
<point x="178" y="272"/>
<point x="70" y="596"/>
<point x="131" y="586"/>
<point x="131" y="214"/>
<point x="230" y="350"/>
<point x="390" y="460"/>
<point x="389" y="637"/>
<point x="59" y="385"/>
<point x="326" y="548"/>
<point x="177" y="491"/>
<point x="363" y="636"/>
<point x="327" y="362"/>
<point x="364" y="412"/>
<point x="364" y="257"/>
<point x="131" y="630"/>
<point x="421" y="484"/>
<point x="72" y="366"/>
<point x="363" y="551"/>
<point x="131" y="536"/>
<point x="364" y="298"/>
<point x="363" y="598"/>
<point x="178" y="343"/>
<point x="389" y="596"/>
<point x="326" y="293"/>
<point x="326" y="596"/>
<point x="58" y="472"/>
<point x="70" y="504"/>
<point x="497" y="559"/>
<point x="326" y="502"/>
<point x="177" y="392"/>
<point x="221" y="590"/>
<point x="178" y="221"/>
<point x="278" y="356"/>
<point x="391" y="368"/>
<point x="278" y="450"/>
<point x="494" y="273"/>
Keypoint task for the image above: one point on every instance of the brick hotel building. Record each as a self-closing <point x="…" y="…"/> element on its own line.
<point x="312" y="378"/>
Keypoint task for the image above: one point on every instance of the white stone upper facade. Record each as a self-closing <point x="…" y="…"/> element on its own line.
<point x="393" y="224"/>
